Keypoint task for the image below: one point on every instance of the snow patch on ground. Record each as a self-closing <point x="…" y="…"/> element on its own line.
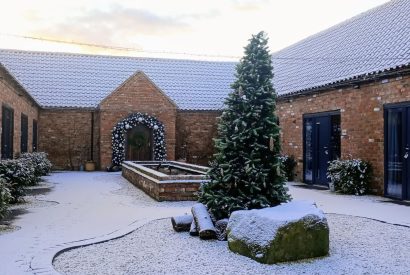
<point x="357" y="246"/>
<point x="138" y="197"/>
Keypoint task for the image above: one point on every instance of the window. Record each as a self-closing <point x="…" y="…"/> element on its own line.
<point x="7" y="132"/>
<point x="35" y="135"/>
<point x="24" y="134"/>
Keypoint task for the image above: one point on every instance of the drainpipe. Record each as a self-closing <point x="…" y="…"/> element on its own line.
<point x="92" y="137"/>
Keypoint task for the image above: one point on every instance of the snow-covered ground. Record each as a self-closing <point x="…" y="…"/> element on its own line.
<point x="86" y="206"/>
<point x="92" y="207"/>
<point x="358" y="246"/>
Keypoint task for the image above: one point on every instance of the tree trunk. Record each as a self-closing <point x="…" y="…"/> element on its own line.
<point x="203" y="221"/>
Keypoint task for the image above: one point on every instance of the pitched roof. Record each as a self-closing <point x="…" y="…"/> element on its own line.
<point x="76" y="80"/>
<point x="375" y="41"/>
<point x="371" y="43"/>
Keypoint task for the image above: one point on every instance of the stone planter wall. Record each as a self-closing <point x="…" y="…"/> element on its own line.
<point x="162" y="187"/>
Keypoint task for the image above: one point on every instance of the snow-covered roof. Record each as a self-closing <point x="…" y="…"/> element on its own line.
<point x="370" y="43"/>
<point x="77" y="80"/>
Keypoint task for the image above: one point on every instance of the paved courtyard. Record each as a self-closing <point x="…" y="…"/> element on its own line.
<point x="92" y="207"/>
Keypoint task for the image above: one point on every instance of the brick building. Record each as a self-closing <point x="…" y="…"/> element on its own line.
<point x="343" y="92"/>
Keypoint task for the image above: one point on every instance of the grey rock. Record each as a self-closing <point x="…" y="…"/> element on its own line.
<point x="291" y="231"/>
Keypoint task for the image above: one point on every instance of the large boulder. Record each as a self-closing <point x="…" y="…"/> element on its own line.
<point x="291" y="231"/>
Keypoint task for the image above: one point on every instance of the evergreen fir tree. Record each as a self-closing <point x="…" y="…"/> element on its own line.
<point x="246" y="172"/>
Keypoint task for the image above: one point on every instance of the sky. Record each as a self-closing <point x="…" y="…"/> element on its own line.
<point x="206" y="29"/>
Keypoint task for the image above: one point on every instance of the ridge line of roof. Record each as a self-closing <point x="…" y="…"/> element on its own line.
<point x="113" y="56"/>
<point x="331" y="28"/>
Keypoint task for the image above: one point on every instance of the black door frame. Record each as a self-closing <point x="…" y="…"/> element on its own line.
<point x="406" y="133"/>
<point x="307" y="116"/>
<point x="10" y="138"/>
<point x="35" y="136"/>
<point x="23" y="133"/>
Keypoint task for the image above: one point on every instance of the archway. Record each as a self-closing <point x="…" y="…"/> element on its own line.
<point x="123" y="130"/>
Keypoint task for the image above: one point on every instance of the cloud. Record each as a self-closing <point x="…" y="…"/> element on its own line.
<point x="249" y="5"/>
<point x="115" y="26"/>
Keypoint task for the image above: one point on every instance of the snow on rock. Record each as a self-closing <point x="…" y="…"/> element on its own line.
<point x="290" y="231"/>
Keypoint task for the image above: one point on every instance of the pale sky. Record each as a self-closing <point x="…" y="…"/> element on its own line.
<point x="206" y="27"/>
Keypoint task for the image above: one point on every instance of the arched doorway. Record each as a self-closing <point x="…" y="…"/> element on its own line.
<point x="138" y="143"/>
<point x="146" y="142"/>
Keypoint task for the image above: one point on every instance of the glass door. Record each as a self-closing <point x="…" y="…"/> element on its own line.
<point x="397" y="150"/>
<point x="321" y="144"/>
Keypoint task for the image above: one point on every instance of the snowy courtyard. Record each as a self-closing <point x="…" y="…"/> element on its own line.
<point x="367" y="234"/>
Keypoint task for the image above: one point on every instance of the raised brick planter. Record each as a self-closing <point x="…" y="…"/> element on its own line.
<point x="163" y="187"/>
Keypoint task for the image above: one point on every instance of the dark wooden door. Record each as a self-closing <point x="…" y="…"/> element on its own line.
<point x="321" y="145"/>
<point x="7" y="133"/>
<point x="139" y="143"/>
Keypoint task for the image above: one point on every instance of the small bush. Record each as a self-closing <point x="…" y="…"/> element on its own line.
<point x="5" y="197"/>
<point x="20" y="171"/>
<point x="350" y="176"/>
<point x="25" y="171"/>
<point x="288" y="165"/>
<point x="18" y="174"/>
<point x="39" y="161"/>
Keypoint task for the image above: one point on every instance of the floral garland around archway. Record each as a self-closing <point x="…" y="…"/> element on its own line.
<point x="118" y="136"/>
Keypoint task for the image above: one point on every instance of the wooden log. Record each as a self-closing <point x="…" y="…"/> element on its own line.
<point x="182" y="223"/>
<point x="193" y="231"/>
<point x="203" y="221"/>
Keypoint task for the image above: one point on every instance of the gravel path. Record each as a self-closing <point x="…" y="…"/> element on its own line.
<point x="358" y="246"/>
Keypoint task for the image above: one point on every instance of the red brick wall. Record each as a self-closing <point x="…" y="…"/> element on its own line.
<point x="13" y="96"/>
<point x="195" y="130"/>
<point x="137" y="94"/>
<point x="66" y="136"/>
<point x="361" y="119"/>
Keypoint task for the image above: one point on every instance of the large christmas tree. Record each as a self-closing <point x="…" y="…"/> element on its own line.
<point x="246" y="172"/>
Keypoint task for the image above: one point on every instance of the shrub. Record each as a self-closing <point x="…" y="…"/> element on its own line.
<point x="288" y="165"/>
<point x="350" y="176"/>
<point x="5" y="197"/>
<point x="39" y="161"/>
<point x="18" y="173"/>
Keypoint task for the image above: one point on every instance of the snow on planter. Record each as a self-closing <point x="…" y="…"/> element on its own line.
<point x="291" y="231"/>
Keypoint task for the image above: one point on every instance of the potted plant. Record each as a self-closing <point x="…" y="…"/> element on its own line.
<point x="89" y="165"/>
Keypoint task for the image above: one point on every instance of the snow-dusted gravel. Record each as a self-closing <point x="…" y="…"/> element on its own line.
<point x="357" y="246"/>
